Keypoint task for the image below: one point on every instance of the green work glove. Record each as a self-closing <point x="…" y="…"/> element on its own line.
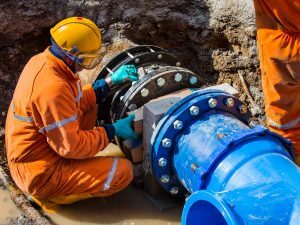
<point x="123" y="128"/>
<point x="125" y="72"/>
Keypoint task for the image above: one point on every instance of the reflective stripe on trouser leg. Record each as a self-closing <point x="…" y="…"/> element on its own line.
<point x="111" y="174"/>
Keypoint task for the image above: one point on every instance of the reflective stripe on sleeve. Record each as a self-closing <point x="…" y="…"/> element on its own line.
<point x="80" y="94"/>
<point x="58" y="124"/>
<point x="27" y="119"/>
<point x="111" y="174"/>
<point x="285" y="126"/>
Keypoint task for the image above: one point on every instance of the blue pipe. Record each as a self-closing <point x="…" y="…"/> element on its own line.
<point x="236" y="174"/>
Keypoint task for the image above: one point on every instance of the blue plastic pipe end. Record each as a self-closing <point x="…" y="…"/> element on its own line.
<point x="204" y="208"/>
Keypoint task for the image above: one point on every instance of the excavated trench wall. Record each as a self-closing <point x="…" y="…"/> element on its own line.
<point x="214" y="38"/>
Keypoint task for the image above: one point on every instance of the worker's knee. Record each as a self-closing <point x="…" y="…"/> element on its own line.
<point x="125" y="171"/>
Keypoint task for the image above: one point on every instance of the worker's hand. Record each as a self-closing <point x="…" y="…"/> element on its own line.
<point x="123" y="128"/>
<point x="125" y="72"/>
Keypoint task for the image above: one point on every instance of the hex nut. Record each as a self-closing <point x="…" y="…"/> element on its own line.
<point x="160" y="82"/>
<point x="193" y="80"/>
<point x="230" y="102"/>
<point x="174" y="191"/>
<point x="194" y="110"/>
<point x="212" y="102"/>
<point x="243" y="109"/>
<point x="144" y="92"/>
<point x="178" y="125"/>
<point x="165" y="179"/>
<point x="162" y="162"/>
<point x="178" y="77"/>
<point x="166" y="142"/>
<point x="132" y="107"/>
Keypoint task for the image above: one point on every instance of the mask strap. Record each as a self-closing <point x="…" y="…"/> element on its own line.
<point x="60" y="53"/>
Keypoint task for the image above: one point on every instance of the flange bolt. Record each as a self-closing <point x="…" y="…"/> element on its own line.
<point x="178" y="124"/>
<point x="178" y="64"/>
<point x="164" y="179"/>
<point x="178" y="77"/>
<point x="166" y="142"/>
<point x="144" y="92"/>
<point x="132" y="107"/>
<point x="212" y="102"/>
<point x="194" y="110"/>
<point x="161" y="81"/>
<point x="162" y="162"/>
<point x="193" y="80"/>
<point x="137" y="60"/>
<point x="243" y="109"/>
<point x="174" y="191"/>
<point x="230" y="102"/>
<point x="159" y="56"/>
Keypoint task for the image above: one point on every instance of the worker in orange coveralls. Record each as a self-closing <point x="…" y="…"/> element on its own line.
<point x="278" y="24"/>
<point x="51" y="140"/>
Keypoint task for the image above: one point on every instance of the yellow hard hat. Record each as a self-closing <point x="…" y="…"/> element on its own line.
<point x="82" y="38"/>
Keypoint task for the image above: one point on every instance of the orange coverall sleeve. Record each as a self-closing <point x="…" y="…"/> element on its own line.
<point x="58" y="111"/>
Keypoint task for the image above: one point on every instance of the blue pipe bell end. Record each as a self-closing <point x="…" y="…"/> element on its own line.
<point x="205" y="208"/>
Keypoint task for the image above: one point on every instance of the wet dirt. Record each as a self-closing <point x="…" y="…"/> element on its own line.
<point x="8" y="209"/>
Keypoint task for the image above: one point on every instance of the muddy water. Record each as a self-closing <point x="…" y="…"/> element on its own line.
<point x="129" y="207"/>
<point x="7" y="207"/>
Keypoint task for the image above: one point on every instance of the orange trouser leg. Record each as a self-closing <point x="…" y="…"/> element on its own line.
<point x="279" y="43"/>
<point x="94" y="177"/>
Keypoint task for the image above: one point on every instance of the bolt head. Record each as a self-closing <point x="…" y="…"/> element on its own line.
<point x="193" y="80"/>
<point x="132" y="107"/>
<point x="165" y="179"/>
<point x="178" y="77"/>
<point x="178" y="125"/>
<point x="137" y="60"/>
<point x="159" y="56"/>
<point x="178" y="64"/>
<point x="230" y="102"/>
<point x="174" y="191"/>
<point x="194" y="110"/>
<point x="162" y="162"/>
<point x="144" y="92"/>
<point x="252" y="123"/>
<point x="166" y="142"/>
<point x="243" y="109"/>
<point x="121" y="97"/>
<point x="212" y="102"/>
<point x="155" y="66"/>
<point x="161" y="82"/>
